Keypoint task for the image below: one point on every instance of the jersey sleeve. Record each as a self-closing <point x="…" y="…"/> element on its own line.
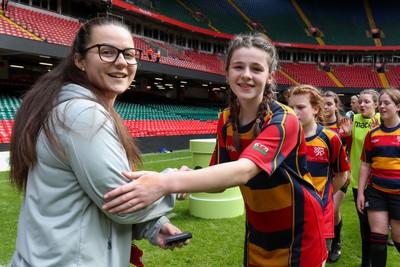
<point x="339" y="160"/>
<point x="366" y="153"/>
<point x="276" y="141"/>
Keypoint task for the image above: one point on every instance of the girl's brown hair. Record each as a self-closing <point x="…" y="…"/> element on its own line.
<point x="314" y="95"/>
<point x="394" y="94"/>
<point x="34" y="112"/>
<point x="258" y="41"/>
<point x="372" y="92"/>
<point x="338" y="103"/>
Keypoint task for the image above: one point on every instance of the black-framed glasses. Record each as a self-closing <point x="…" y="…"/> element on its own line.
<point x="109" y="53"/>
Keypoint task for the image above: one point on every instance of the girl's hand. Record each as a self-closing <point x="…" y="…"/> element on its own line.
<point x="360" y="203"/>
<point x="346" y="125"/>
<point x="375" y="123"/>
<point x="147" y="188"/>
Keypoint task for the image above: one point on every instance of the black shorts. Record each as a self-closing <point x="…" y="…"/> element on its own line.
<point x="344" y="188"/>
<point x="378" y="200"/>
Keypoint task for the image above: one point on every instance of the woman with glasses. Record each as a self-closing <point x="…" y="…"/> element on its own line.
<point x="68" y="149"/>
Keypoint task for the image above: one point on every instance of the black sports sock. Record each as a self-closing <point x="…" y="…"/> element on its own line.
<point x="365" y="242"/>
<point x="379" y="247"/>
<point x="365" y="256"/>
<point x="338" y="230"/>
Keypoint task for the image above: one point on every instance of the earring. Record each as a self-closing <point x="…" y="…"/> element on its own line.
<point x="83" y="69"/>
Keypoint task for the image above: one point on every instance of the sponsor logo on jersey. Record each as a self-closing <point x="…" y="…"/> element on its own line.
<point x="261" y="148"/>
<point x="317" y="155"/>
<point x="319" y="151"/>
<point x="363" y="124"/>
<point x="231" y="148"/>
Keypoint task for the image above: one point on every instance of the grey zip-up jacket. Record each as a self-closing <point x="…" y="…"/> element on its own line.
<point x="61" y="222"/>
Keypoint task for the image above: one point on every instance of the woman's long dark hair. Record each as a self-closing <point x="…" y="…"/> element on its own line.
<point x="34" y="112"/>
<point x="258" y="41"/>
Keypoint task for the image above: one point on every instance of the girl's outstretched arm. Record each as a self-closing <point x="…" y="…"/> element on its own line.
<point x="150" y="186"/>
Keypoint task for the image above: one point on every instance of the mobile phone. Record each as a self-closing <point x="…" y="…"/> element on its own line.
<point x="182" y="237"/>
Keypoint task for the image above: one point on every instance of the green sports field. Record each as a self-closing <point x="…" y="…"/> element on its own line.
<point x="215" y="242"/>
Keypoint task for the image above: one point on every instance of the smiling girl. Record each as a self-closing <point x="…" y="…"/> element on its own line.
<point x="261" y="148"/>
<point x="380" y="170"/>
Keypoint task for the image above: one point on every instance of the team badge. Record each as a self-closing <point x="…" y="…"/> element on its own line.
<point x="261" y="148"/>
<point x="319" y="151"/>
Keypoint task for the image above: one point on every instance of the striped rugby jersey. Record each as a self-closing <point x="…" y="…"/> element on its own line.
<point x="335" y="127"/>
<point x="284" y="220"/>
<point x="382" y="150"/>
<point x="326" y="156"/>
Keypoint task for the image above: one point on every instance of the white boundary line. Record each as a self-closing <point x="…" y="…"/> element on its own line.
<point x="164" y="160"/>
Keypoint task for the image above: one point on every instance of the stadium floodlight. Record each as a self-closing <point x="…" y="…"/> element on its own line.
<point x="46" y="64"/>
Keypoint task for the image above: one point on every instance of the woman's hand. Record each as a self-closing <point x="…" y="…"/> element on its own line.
<point x="147" y="188"/>
<point x="166" y="230"/>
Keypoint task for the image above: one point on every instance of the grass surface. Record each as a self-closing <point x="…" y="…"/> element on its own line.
<point x="215" y="242"/>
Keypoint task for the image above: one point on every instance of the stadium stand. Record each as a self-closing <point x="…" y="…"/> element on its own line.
<point x="220" y="16"/>
<point x="387" y="17"/>
<point x="342" y="24"/>
<point x="393" y="75"/>
<point x="141" y="120"/>
<point x="308" y="74"/>
<point x="7" y="27"/>
<point x="52" y="28"/>
<point x="358" y="76"/>
<point x="280" y="20"/>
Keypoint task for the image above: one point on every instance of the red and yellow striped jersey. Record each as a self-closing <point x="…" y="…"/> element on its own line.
<point x="382" y="150"/>
<point x="284" y="225"/>
<point x="326" y="156"/>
